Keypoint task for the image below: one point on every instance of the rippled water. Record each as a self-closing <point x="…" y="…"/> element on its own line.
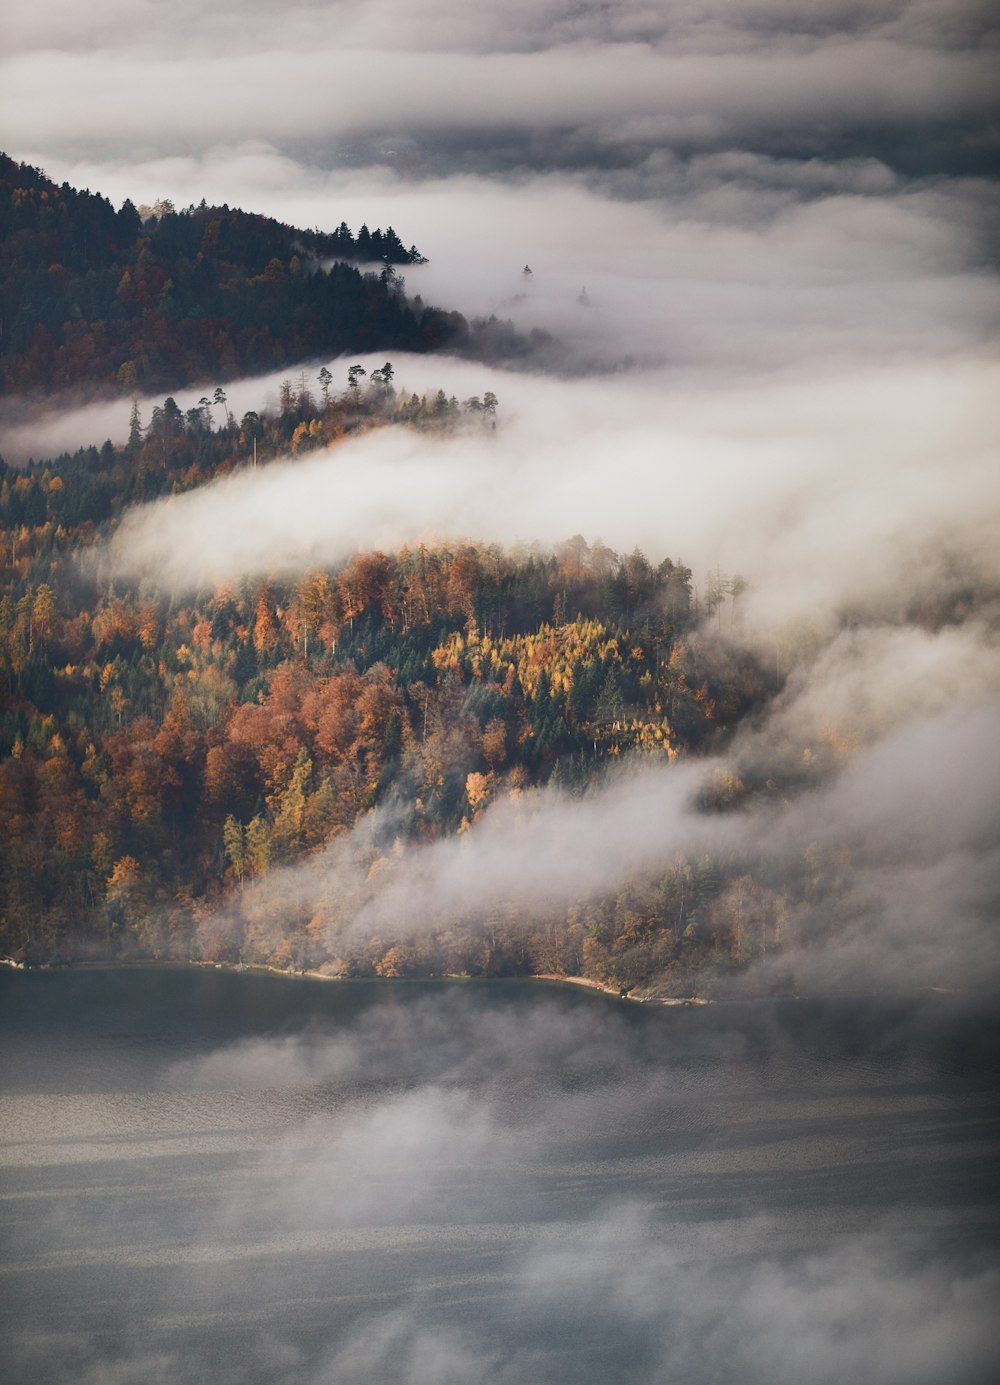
<point x="247" y="1178"/>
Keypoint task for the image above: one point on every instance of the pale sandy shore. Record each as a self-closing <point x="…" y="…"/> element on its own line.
<point x="616" y="991"/>
<point x="551" y="978"/>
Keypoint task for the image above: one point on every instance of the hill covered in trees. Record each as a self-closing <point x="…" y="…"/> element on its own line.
<point x="159" y="756"/>
<point x="128" y="301"/>
<point x="170" y="762"/>
<point x="240" y="774"/>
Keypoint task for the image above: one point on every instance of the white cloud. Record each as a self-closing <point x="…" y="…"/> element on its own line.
<point x="820" y="492"/>
<point x="816" y="408"/>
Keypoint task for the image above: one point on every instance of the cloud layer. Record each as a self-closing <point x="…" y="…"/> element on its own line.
<point x="823" y="493"/>
<point x="789" y="324"/>
<point x="548" y="85"/>
<point x="910" y="821"/>
<point x="782" y="218"/>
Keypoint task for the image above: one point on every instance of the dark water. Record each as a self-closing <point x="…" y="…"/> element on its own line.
<point x="209" y="1176"/>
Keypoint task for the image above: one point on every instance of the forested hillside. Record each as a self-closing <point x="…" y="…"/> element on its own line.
<point x="90" y="295"/>
<point x="240" y="774"/>
<point x="160" y="754"/>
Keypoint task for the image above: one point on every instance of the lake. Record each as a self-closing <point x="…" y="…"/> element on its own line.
<point x="249" y="1178"/>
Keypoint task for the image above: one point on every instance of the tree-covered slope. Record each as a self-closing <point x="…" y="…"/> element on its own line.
<point x="160" y="755"/>
<point x="90" y="295"/>
<point x="265" y="770"/>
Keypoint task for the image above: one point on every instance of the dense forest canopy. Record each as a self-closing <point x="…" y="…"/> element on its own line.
<point x="94" y="296"/>
<point x="164" y="757"/>
<point x="160" y="753"/>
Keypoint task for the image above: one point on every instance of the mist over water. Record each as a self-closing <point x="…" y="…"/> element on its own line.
<point x="288" y="1181"/>
<point x="763" y="241"/>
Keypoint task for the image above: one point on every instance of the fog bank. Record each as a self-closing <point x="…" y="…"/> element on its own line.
<point x="856" y="489"/>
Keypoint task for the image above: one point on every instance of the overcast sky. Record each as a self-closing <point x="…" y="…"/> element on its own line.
<point x="545" y="85"/>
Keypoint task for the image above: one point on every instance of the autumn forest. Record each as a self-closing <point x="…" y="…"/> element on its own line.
<point x="166" y="757"/>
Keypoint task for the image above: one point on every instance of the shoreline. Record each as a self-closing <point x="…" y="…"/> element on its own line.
<point x="584" y="983"/>
<point x="616" y="992"/>
<point x="579" y="983"/>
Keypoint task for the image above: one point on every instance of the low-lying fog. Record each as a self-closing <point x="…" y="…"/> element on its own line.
<point x="763" y="239"/>
<point x="445" y="1184"/>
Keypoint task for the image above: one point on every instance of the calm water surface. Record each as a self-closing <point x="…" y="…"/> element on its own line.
<point x="247" y="1178"/>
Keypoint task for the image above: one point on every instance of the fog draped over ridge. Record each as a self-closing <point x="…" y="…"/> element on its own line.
<point x="819" y="491"/>
<point x="844" y="500"/>
<point x="763" y="239"/>
<point x="731" y="184"/>
<point x="911" y="818"/>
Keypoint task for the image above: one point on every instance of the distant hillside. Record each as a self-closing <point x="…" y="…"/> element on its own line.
<point x="90" y="295"/>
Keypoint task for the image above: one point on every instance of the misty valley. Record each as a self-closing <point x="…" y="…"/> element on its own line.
<point x="499" y="694"/>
